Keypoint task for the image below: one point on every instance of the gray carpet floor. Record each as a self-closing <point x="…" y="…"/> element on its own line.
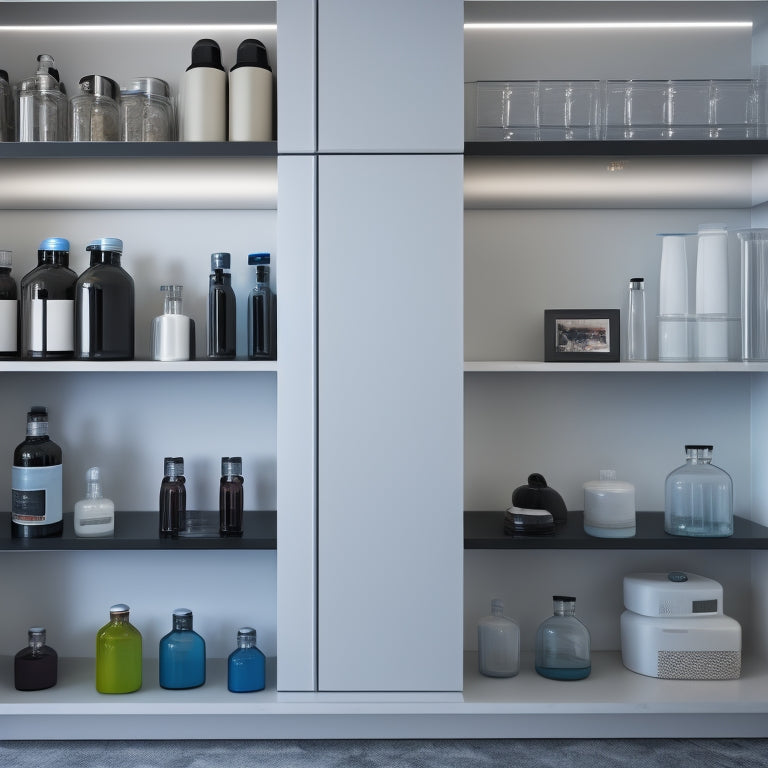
<point x="490" y="753"/>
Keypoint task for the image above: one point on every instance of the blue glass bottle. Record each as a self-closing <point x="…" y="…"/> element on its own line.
<point x="182" y="654"/>
<point x="562" y="643"/>
<point x="245" y="667"/>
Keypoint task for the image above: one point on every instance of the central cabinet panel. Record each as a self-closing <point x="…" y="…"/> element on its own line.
<point x="390" y="425"/>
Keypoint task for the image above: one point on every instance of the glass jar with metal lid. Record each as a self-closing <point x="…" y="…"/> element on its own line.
<point x="146" y="110"/>
<point x="94" y="113"/>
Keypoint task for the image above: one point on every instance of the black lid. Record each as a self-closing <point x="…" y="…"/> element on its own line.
<point x="37" y="413"/>
<point x="206" y="53"/>
<point x="252" y="53"/>
<point x="3" y="75"/>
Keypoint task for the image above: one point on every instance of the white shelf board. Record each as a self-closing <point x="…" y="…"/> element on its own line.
<point x="136" y="366"/>
<point x="649" y="366"/>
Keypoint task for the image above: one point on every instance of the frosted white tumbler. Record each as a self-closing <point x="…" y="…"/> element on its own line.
<point x="712" y="292"/>
<point x="673" y="298"/>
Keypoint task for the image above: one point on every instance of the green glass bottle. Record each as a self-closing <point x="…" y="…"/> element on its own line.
<point x="118" y="654"/>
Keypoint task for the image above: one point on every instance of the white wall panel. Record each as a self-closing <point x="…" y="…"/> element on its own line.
<point x="390" y="382"/>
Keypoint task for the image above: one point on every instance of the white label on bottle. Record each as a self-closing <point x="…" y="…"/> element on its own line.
<point x="8" y="325"/>
<point x="36" y="495"/>
<point x="84" y="521"/>
<point x="59" y="335"/>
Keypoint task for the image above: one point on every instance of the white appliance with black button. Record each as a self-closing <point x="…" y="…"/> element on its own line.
<point x="674" y="628"/>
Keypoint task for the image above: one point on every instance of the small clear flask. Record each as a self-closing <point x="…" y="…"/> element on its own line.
<point x="498" y="643"/>
<point x="94" y="515"/>
<point x="562" y="643"/>
<point x="698" y="497"/>
<point x="94" y="112"/>
<point x="246" y="664"/>
<point x="637" y="347"/>
<point x="35" y="667"/>
<point x="182" y="654"/>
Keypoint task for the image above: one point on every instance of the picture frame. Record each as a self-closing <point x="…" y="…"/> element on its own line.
<point x="582" y="336"/>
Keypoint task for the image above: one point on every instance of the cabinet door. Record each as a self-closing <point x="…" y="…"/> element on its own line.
<point x="390" y="423"/>
<point x="390" y="75"/>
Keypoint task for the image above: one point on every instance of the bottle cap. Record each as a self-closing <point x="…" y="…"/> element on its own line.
<point x="206" y="53"/>
<point x="37" y="413"/>
<point x="246" y="632"/>
<point x="111" y="244"/>
<point x="564" y="599"/>
<point x="258" y="259"/>
<point x="119" y="609"/>
<point x="6" y="259"/>
<point x="36" y="630"/>
<point x="99" y="85"/>
<point x="699" y="447"/>
<point x="146" y="86"/>
<point x="220" y="260"/>
<point x="182" y="612"/>
<point x="231" y="465"/>
<point x="174" y="466"/>
<point x="637" y="283"/>
<point x="54" y="244"/>
<point x="252" y="53"/>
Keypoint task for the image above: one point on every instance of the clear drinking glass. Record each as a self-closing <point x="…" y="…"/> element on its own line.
<point x="698" y="497"/>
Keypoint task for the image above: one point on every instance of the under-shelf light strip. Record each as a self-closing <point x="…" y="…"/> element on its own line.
<point x="609" y="25"/>
<point x="165" y="28"/>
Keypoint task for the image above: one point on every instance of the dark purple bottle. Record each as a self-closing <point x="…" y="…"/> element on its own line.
<point x="35" y="667"/>
<point x="173" y="497"/>
<point x="104" y="305"/>
<point x="231" y="497"/>
<point x="222" y="309"/>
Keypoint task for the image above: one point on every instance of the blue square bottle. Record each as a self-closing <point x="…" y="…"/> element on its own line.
<point x="245" y="666"/>
<point x="182" y="654"/>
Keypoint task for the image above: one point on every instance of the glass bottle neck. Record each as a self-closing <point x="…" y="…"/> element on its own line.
<point x="36" y="640"/>
<point x="246" y="641"/>
<point x="182" y="623"/>
<point x="37" y="429"/>
<point x="118" y="618"/>
<point x="105" y="257"/>
<point x="564" y="607"/>
<point x="172" y="305"/>
<point x="60" y="258"/>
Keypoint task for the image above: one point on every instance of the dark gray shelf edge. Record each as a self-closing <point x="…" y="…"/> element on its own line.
<point x="628" y="148"/>
<point x="485" y="530"/>
<point x="76" y="150"/>
<point x="138" y="531"/>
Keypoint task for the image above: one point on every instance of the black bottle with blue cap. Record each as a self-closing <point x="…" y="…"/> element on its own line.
<point x="48" y="304"/>
<point x="104" y="305"/>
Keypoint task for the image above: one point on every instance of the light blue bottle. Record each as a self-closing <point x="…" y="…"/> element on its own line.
<point x="245" y="667"/>
<point x="562" y="643"/>
<point x="182" y="654"/>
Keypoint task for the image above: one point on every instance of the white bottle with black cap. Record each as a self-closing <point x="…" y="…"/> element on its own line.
<point x="250" y="94"/>
<point x="203" y="96"/>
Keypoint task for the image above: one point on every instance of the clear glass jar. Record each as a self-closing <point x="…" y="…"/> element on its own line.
<point x="698" y="498"/>
<point x="562" y="643"/>
<point x="42" y="104"/>
<point x="146" y="110"/>
<point x="498" y="643"/>
<point x="94" y="113"/>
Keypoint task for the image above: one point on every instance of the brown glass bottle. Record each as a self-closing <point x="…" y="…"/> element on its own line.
<point x="231" y="497"/>
<point x="35" y="667"/>
<point x="173" y="497"/>
<point x="36" y="481"/>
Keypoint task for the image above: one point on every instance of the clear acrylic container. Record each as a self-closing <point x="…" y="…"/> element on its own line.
<point x="42" y="104"/>
<point x="562" y="643"/>
<point x="697" y="331"/>
<point x="507" y="110"/>
<point x="146" y="110"/>
<point x="498" y="643"/>
<point x="733" y="109"/>
<point x="754" y="294"/>
<point x="698" y="497"/>
<point x="94" y="113"/>
<point x="569" y="110"/>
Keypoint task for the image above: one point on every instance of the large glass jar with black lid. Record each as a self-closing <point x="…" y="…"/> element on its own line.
<point x="104" y="305"/>
<point x="95" y="115"/>
<point x="48" y="304"/>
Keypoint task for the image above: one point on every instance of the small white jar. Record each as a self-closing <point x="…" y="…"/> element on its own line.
<point x="609" y="507"/>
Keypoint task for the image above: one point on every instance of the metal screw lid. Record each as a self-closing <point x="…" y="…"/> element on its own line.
<point x="99" y="85"/>
<point x="220" y="260"/>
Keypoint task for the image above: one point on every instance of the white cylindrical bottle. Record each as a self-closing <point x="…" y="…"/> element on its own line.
<point x="609" y="507"/>
<point x="498" y="643"/>
<point x="172" y="332"/>
<point x="637" y="347"/>
<point x="673" y="298"/>
<point x="712" y="292"/>
<point x="203" y="95"/>
<point x="94" y="515"/>
<point x="250" y="94"/>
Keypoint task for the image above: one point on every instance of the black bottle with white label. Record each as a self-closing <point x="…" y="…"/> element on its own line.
<point x="36" y="481"/>
<point x="48" y="304"/>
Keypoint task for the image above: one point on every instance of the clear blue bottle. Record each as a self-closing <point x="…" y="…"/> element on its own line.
<point x="562" y="643"/>
<point x="182" y="654"/>
<point x="245" y="666"/>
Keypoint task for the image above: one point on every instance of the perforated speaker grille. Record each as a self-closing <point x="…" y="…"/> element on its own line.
<point x="699" y="665"/>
